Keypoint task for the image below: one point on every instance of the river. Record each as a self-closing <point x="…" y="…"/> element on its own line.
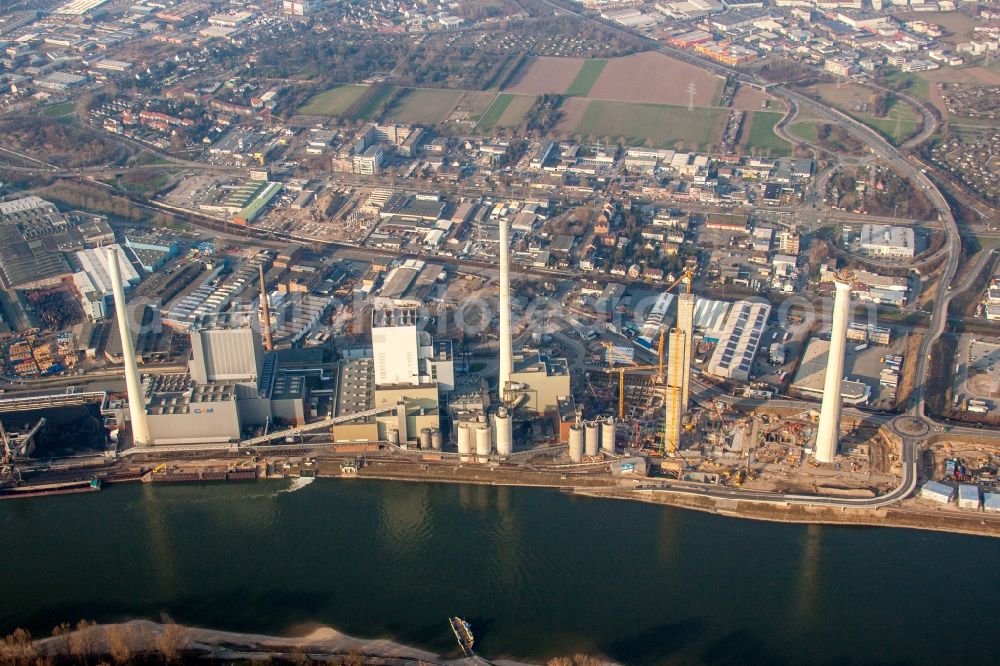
<point x="539" y="573"/>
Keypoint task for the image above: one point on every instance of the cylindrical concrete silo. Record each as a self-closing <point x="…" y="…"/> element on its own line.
<point x="576" y="442"/>
<point x="436" y="439"/>
<point x="592" y="438"/>
<point x="505" y="433"/>
<point x="425" y="438"/>
<point x="464" y="440"/>
<point x="392" y="436"/>
<point x="483" y="444"/>
<point x="608" y="435"/>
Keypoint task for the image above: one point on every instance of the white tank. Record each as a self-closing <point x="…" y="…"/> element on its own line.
<point x="505" y="433"/>
<point x="464" y="439"/>
<point x="592" y="440"/>
<point x="436" y="439"/>
<point x="425" y="438"/>
<point x="608" y="435"/>
<point x="483" y="444"/>
<point x="393" y="436"/>
<point x="576" y="442"/>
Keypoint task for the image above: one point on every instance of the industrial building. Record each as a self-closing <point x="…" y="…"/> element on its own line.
<point x="537" y="381"/>
<point x="883" y="240"/>
<point x="937" y="492"/>
<point x="810" y="377"/>
<point x="94" y="264"/>
<point x="738" y="341"/>
<point x="402" y="353"/>
<point x="224" y="350"/>
<point x="968" y="496"/>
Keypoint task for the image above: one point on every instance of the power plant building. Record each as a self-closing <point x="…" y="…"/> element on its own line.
<point x="538" y="381"/>
<point x="221" y="353"/>
<point x="181" y="412"/>
<point x="405" y="355"/>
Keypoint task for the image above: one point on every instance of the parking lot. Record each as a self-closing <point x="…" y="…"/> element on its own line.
<point x="978" y="371"/>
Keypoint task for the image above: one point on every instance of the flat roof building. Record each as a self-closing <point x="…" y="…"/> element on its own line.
<point x="968" y="496"/>
<point x="937" y="492"/>
<point x="738" y="341"/>
<point x="220" y="352"/>
<point x="883" y="240"/>
<point x="812" y="373"/>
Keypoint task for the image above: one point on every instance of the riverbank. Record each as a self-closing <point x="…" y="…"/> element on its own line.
<point x="594" y="482"/>
<point x="138" y="640"/>
<point x="904" y="515"/>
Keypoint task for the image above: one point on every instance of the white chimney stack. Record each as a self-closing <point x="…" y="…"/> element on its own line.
<point x="506" y="341"/>
<point x="136" y="398"/>
<point x="828" y="428"/>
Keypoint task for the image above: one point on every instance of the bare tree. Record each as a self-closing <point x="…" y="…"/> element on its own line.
<point x="81" y="640"/>
<point x="62" y="632"/>
<point x="17" y="648"/>
<point x="119" y="641"/>
<point x="170" y="642"/>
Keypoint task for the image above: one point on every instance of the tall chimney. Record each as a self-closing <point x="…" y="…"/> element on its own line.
<point x="506" y="342"/>
<point x="136" y="399"/>
<point x="265" y="312"/>
<point x="828" y="428"/>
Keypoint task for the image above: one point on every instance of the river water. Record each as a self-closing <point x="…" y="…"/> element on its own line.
<point x="538" y="573"/>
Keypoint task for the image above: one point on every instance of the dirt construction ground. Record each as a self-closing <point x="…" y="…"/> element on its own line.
<point x="654" y="77"/>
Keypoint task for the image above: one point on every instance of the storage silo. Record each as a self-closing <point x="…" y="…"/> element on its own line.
<point x="592" y="439"/>
<point x="425" y="438"/>
<point x="464" y="439"/>
<point x="608" y="435"/>
<point x="436" y="439"/>
<point x="505" y="433"/>
<point x="392" y="436"/>
<point x="576" y="442"/>
<point x="483" y="444"/>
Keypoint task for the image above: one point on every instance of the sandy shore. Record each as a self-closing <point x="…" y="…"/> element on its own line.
<point x="318" y="644"/>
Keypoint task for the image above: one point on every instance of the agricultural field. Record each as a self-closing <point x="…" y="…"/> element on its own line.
<point x="760" y="138"/>
<point x="546" y="75"/>
<point x="752" y="99"/>
<point x="422" y="106"/>
<point x="473" y="106"/>
<point x="586" y="78"/>
<point x="371" y="107"/>
<point x="655" y="78"/>
<point x="506" y="111"/>
<point x="334" y="102"/>
<point x="641" y="124"/>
